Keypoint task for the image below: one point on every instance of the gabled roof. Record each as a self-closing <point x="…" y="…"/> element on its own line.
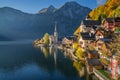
<point x="91" y="22"/>
<point x="70" y="37"/>
<point x="87" y="36"/>
<point x="106" y="39"/>
<point x="111" y="20"/>
<point x="94" y="62"/>
<point x="99" y="31"/>
<point x="117" y="19"/>
<point x="93" y="52"/>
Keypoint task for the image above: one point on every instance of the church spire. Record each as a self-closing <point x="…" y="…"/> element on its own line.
<point x="55" y="34"/>
<point x="55" y="26"/>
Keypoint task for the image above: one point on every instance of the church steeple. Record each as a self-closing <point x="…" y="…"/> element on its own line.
<point x="55" y="27"/>
<point x="55" y="34"/>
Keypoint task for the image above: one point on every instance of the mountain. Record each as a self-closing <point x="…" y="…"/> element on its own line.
<point x="48" y="10"/>
<point x="18" y="25"/>
<point x="110" y="9"/>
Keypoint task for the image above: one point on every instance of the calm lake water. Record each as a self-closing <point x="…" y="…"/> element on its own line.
<point x="22" y="61"/>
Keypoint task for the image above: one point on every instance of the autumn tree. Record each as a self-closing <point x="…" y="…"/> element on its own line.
<point x="46" y="38"/>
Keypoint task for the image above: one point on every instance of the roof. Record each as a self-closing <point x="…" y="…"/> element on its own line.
<point x="106" y="39"/>
<point x="93" y="52"/>
<point x="94" y="62"/>
<point x="88" y="36"/>
<point x="70" y="37"/>
<point x="99" y="31"/>
<point x="117" y="19"/>
<point x="111" y="20"/>
<point x="91" y="22"/>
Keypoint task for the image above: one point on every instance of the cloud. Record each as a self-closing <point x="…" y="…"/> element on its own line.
<point x="101" y="2"/>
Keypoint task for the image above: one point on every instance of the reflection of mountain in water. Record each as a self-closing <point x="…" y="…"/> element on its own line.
<point x="15" y="56"/>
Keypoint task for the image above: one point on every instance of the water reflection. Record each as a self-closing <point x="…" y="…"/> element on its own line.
<point x="80" y="67"/>
<point x="59" y="61"/>
<point x="20" y="61"/>
<point x="50" y="51"/>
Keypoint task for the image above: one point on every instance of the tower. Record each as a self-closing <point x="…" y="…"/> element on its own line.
<point x="55" y="34"/>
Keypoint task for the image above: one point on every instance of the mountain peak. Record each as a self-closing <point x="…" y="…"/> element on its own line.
<point x="10" y="10"/>
<point x="50" y="9"/>
<point x="71" y="3"/>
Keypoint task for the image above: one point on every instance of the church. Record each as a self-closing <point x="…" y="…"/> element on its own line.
<point x="54" y="38"/>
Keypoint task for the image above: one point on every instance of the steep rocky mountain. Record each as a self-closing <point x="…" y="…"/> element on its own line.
<point x="17" y="25"/>
<point x="110" y="9"/>
<point x="48" y="10"/>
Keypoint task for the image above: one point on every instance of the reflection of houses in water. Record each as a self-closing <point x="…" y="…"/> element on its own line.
<point x="65" y="54"/>
<point x="41" y="48"/>
<point x="50" y="51"/>
<point x="55" y="55"/>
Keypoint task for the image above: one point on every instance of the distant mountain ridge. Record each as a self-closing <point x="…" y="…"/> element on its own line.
<point x="50" y="9"/>
<point x="18" y="25"/>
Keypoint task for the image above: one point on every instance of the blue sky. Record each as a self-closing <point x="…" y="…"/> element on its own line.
<point x="33" y="6"/>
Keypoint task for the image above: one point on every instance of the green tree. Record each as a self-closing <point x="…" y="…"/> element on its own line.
<point x="101" y="17"/>
<point x="46" y="38"/>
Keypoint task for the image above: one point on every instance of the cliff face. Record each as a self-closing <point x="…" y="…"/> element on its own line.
<point x="110" y="9"/>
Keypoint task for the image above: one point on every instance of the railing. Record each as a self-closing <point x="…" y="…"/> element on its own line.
<point x="99" y="75"/>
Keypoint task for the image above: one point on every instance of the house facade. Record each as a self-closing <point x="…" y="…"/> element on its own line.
<point x="111" y="23"/>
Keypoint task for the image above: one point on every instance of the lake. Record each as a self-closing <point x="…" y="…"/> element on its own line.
<point x="20" y="60"/>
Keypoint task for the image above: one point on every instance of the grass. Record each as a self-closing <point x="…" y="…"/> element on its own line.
<point x="104" y="73"/>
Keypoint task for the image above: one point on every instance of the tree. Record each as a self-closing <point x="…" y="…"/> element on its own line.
<point x="46" y="38"/>
<point x="101" y="17"/>
<point x="114" y="46"/>
<point x="79" y="53"/>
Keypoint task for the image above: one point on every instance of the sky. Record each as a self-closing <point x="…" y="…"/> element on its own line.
<point x="33" y="6"/>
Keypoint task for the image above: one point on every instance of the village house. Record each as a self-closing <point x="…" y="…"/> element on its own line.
<point x="93" y="63"/>
<point x="95" y="38"/>
<point x="67" y="41"/>
<point x="99" y="34"/>
<point x="101" y="44"/>
<point x="85" y="39"/>
<point x="93" y="54"/>
<point x="87" y="30"/>
<point x="111" y="23"/>
<point x="89" y="25"/>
